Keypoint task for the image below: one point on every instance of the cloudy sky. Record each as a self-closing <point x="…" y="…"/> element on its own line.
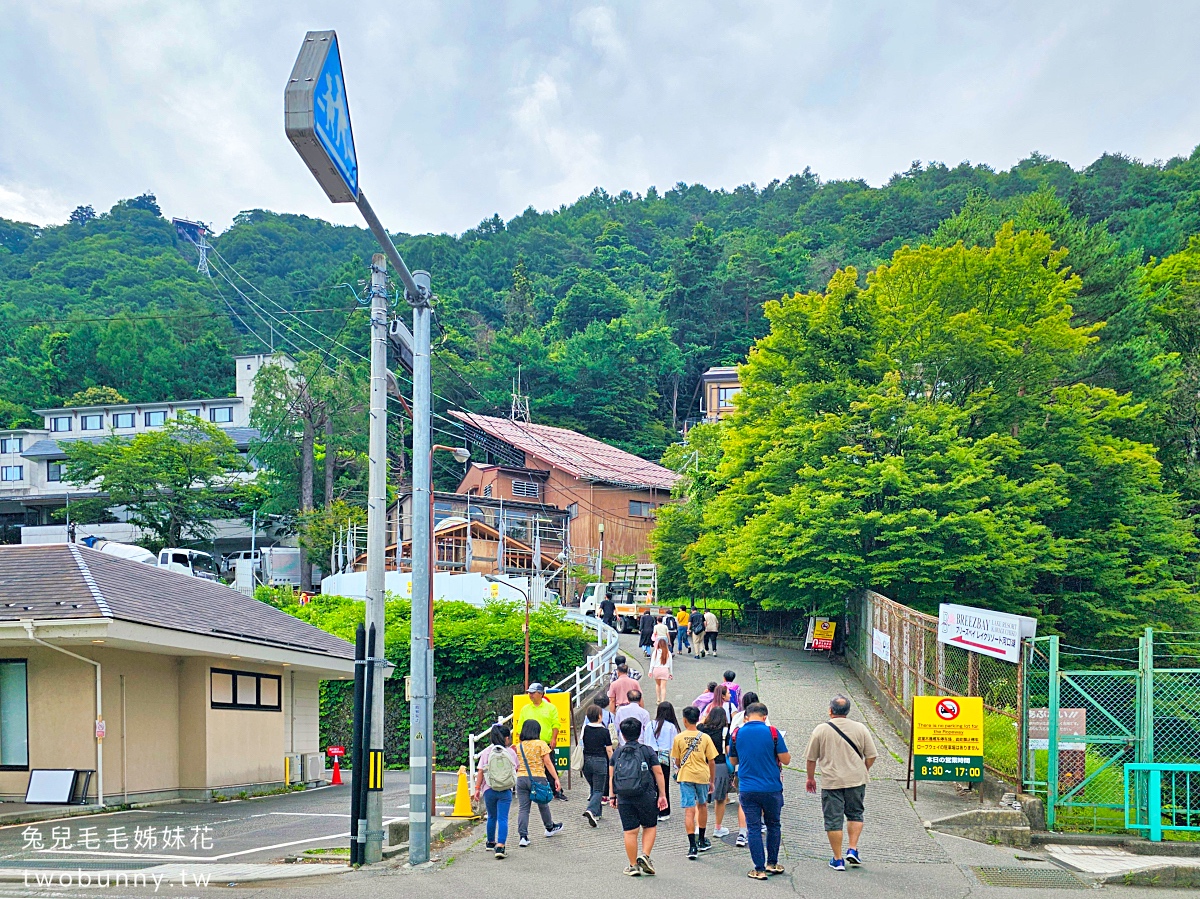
<point x="462" y="110"/>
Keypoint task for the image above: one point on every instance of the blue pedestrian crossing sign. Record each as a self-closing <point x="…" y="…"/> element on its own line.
<point x="317" y="116"/>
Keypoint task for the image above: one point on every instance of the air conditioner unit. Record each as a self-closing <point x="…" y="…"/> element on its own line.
<point x="314" y="767"/>
<point x="291" y="767"/>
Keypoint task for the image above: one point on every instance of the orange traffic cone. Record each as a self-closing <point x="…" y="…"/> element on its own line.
<point x="462" y="798"/>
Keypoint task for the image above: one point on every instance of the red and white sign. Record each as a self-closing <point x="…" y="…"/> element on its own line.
<point x="335" y="751"/>
<point x="101" y="728"/>
<point x="947" y="709"/>
<point x="988" y="633"/>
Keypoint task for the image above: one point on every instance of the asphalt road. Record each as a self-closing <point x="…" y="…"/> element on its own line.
<point x="251" y="830"/>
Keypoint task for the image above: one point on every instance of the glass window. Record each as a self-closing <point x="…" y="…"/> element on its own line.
<point x="10" y="445"/>
<point x="12" y="472"/>
<point x="725" y="396"/>
<point x="246" y="690"/>
<point x="487" y="490"/>
<point x="14" y="715"/>
<point x="91" y="422"/>
<point x="156" y="419"/>
<point x="221" y="414"/>
<point x="641" y="510"/>
<point x="123" y="420"/>
<point x="60" y="423"/>
<point x="573" y="511"/>
<point x="179" y="413"/>
<point x="54" y="471"/>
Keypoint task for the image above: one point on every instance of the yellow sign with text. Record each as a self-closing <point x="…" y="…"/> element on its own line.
<point x="947" y="725"/>
<point x="561" y="703"/>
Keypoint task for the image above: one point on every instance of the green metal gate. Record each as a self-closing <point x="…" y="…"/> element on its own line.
<point x="1090" y="712"/>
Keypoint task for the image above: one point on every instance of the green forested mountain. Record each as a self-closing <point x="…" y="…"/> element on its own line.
<point x="611" y="306"/>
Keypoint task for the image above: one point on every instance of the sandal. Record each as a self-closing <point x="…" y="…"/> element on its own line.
<point x="775" y="868"/>
<point x="756" y="874"/>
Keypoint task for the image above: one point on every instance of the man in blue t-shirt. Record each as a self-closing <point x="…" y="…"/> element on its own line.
<point x="760" y="754"/>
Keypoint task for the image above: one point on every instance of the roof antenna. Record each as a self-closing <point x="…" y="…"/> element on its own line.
<point x="520" y="403"/>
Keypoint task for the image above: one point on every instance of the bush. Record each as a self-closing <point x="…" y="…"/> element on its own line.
<point x="478" y="665"/>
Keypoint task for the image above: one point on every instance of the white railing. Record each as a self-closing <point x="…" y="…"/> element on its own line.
<point x="584" y="678"/>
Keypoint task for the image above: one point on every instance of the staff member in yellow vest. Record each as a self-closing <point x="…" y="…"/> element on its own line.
<point x="546" y="715"/>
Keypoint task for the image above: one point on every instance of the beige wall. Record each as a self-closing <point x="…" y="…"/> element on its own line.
<point x="162" y="732"/>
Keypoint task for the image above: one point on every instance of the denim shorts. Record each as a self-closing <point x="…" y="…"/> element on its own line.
<point x="691" y="794"/>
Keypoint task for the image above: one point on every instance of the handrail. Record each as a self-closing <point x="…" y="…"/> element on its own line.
<point x="577" y="682"/>
<point x="1144" y="806"/>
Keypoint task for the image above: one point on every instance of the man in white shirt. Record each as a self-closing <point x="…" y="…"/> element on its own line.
<point x="710" y="634"/>
<point x="634" y="710"/>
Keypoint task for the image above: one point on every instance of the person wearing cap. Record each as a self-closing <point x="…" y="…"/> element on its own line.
<point x="541" y="711"/>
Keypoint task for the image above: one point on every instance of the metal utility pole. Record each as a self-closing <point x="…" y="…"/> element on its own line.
<point x="317" y="122"/>
<point x="421" y="796"/>
<point x="376" y="536"/>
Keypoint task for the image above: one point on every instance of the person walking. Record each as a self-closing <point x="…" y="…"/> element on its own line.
<point x="661" y="630"/>
<point x="534" y="777"/>
<point x="696" y="625"/>
<point x="694" y="756"/>
<point x="735" y="692"/>
<point x="665" y="730"/>
<point x="646" y="632"/>
<point x="672" y="630"/>
<point x="597" y="752"/>
<point x="760" y="754"/>
<point x="639" y="792"/>
<point x="710" y="633"/>
<point x="618" y="660"/>
<point x="739" y="718"/>
<point x="716" y="725"/>
<point x="495" y="781"/>
<point x="661" y="668"/>
<point x="682" y="637"/>
<point x="720" y="700"/>
<point x="845" y="751"/>
<point x="542" y="711"/>
<point x="621" y="687"/>
<point x="608" y="612"/>
<point x="634" y="709"/>
<point x="702" y="701"/>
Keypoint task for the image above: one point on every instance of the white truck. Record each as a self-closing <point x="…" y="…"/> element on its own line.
<point x="633" y="591"/>
<point x="191" y="562"/>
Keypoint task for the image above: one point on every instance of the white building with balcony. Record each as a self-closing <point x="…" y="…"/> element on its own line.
<point x="33" y="460"/>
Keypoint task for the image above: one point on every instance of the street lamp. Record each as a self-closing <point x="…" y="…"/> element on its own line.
<point x="496" y="580"/>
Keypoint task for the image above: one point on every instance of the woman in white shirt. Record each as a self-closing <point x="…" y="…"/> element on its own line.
<point x="661" y="667"/>
<point x="663" y="732"/>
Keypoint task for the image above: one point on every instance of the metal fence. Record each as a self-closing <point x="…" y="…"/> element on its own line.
<point x="761" y="623"/>
<point x="1103" y="710"/>
<point x="897" y="648"/>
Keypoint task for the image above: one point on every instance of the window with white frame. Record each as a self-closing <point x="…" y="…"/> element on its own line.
<point x="12" y="473"/>
<point x="10" y="445"/>
<point x="91" y="422"/>
<point x="14" y="715"/>
<point x="191" y="410"/>
<point x="526" y="488"/>
<point x="487" y="490"/>
<point x="156" y="419"/>
<point x="220" y="414"/>
<point x="60" y="423"/>
<point x="123" y="420"/>
<point x="55" y="471"/>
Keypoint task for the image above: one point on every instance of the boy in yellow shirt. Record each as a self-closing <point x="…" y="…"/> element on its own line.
<point x="694" y="755"/>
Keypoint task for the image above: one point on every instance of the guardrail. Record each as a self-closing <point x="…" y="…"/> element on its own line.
<point x="1147" y="784"/>
<point x="580" y="681"/>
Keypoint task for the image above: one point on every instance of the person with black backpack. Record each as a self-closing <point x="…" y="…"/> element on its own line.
<point x="639" y="792"/>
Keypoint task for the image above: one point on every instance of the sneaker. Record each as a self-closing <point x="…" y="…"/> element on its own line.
<point x="721" y="832"/>
<point x="742" y="841"/>
<point x="665" y="816"/>
<point x="704" y="845"/>
<point x="489" y="845"/>
<point x="837" y="864"/>
<point x="589" y="817"/>
<point x="554" y="829"/>
<point x="645" y="865"/>
<point x="852" y="857"/>
<point x="524" y="842"/>
<point x="692" y="853"/>
<point x="561" y="796"/>
<point x="499" y="852"/>
<point x="633" y="871"/>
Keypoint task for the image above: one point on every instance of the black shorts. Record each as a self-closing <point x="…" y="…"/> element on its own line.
<point x="639" y="810"/>
<point x="844" y="803"/>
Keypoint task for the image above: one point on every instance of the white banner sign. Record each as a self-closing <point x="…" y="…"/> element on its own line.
<point x="989" y="633"/>
<point x="881" y="645"/>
